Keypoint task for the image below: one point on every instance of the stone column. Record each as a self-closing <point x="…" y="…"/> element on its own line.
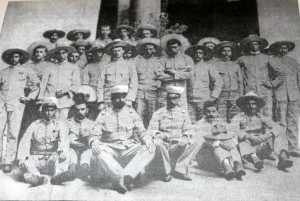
<point x="123" y="10"/>
<point x="148" y="11"/>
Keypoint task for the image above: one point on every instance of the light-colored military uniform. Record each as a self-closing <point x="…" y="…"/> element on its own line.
<point x="232" y="89"/>
<point x="184" y="67"/>
<point x="40" y="146"/>
<point x="258" y="125"/>
<point x="174" y="123"/>
<point x="64" y="76"/>
<point x="13" y="81"/>
<point x="287" y="96"/>
<point x="146" y="98"/>
<point x="80" y="131"/>
<point x="256" y="68"/>
<point x="205" y="83"/>
<point x="120" y="146"/>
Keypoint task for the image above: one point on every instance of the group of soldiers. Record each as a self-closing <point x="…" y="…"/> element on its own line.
<point x="108" y="110"/>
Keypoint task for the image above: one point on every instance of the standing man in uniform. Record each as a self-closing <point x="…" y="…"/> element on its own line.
<point x="287" y="94"/>
<point x="44" y="149"/>
<point x="105" y="32"/>
<point x="205" y="84"/>
<point x="61" y="81"/>
<point x="178" y="67"/>
<point x="118" y="143"/>
<point x="117" y="72"/>
<point x="14" y="81"/>
<point x="257" y="71"/>
<point x="173" y="135"/>
<point x="232" y="77"/>
<point x="81" y="47"/>
<point x="148" y="68"/>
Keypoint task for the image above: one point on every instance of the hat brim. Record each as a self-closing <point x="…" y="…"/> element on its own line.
<point x="242" y="101"/>
<point x="227" y="136"/>
<point x="33" y="46"/>
<point x="53" y="52"/>
<point x="234" y="47"/>
<point x="71" y="34"/>
<point x="130" y="29"/>
<point x="142" y="43"/>
<point x="81" y="43"/>
<point x="48" y="34"/>
<point x="208" y="53"/>
<point x="6" y="55"/>
<point x="275" y="46"/>
<point x="183" y="40"/>
<point x="205" y="40"/>
<point x="114" y="44"/>
<point x="262" y="41"/>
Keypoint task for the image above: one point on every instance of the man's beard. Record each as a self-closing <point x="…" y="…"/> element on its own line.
<point x="119" y="105"/>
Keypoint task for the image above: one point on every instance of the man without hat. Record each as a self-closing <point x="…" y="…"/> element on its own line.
<point x="61" y="81"/>
<point x="287" y="94"/>
<point x="178" y="67"/>
<point x="44" y="148"/>
<point x="257" y="70"/>
<point x="232" y="77"/>
<point x="105" y="32"/>
<point x="205" y="84"/>
<point x="148" y="68"/>
<point x="117" y="72"/>
<point x="14" y="81"/>
<point x="259" y="137"/>
<point x="118" y="143"/>
<point x="173" y="136"/>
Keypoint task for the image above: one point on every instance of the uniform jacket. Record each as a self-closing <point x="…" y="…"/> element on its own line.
<point x="117" y="72"/>
<point x="40" y="67"/>
<point x="91" y="74"/>
<point x="257" y="68"/>
<point x="117" y="127"/>
<point x="13" y="81"/>
<point x="291" y="84"/>
<point x="64" y="76"/>
<point x="174" y="123"/>
<point x="44" y="137"/>
<point x="205" y="77"/>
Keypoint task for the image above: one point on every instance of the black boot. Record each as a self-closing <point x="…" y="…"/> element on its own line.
<point x="229" y="174"/>
<point x="84" y="172"/>
<point x="69" y="175"/>
<point x="119" y="185"/>
<point x="238" y="169"/>
<point x="284" y="161"/>
<point x="258" y="164"/>
<point x="35" y="180"/>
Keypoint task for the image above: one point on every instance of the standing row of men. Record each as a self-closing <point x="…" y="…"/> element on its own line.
<point x="148" y="76"/>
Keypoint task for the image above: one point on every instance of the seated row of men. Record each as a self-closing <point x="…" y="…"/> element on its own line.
<point x="147" y="78"/>
<point x="117" y="147"/>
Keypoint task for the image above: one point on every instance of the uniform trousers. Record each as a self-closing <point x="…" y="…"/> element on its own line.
<point x="83" y="156"/>
<point x="145" y="107"/>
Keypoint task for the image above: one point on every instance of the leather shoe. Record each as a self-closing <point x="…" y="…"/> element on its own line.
<point x="35" y="180"/>
<point x="7" y="168"/>
<point x="119" y="186"/>
<point x="258" y="164"/>
<point x="295" y="152"/>
<point x="238" y="169"/>
<point x="185" y="177"/>
<point x="167" y="178"/>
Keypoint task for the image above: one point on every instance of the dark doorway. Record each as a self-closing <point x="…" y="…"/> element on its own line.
<point x="225" y="19"/>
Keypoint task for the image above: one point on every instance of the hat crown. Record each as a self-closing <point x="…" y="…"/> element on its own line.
<point x="119" y="89"/>
<point x="251" y="93"/>
<point x="175" y="89"/>
<point x="50" y="101"/>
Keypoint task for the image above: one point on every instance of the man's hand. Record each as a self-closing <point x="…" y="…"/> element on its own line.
<point x="96" y="148"/>
<point x="60" y="93"/>
<point x="170" y="71"/>
<point x="162" y="136"/>
<point x="266" y="83"/>
<point x="216" y="143"/>
<point x="188" y="69"/>
<point x="183" y="141"/>
<point x="77" y="144"/>
<point x="62" y="156"/>
<point x="23" y="164"/>
<point x="24" y="100"/>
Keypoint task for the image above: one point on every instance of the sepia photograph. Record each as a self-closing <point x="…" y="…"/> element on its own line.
<point x="150" y="100"/>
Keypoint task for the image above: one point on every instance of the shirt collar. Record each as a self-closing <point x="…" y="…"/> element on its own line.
<point x="255" y="53"/>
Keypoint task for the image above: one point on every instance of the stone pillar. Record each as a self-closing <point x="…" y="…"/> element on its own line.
<point x="123" y="10"/>
<point x="147" y="12"/>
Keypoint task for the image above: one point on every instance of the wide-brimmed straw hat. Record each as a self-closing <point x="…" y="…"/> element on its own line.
<point x="71" y="35"/>
<point x="79" y="43"/>
<point x="253" y="38"/>
<point x="220" y="46"/>
<point x="48" y="34"/>
<point x="183" y="40"/>
<point x="205" y="40"/>
<point x="275" y="46"/>
<point x="208" y="53"/>
<point x="34" y="45"/>
<point x="6" y="55"/>
<point x="145" y="41"/>
<point x="117" y="43"/>
<point x="60" y="47"/>
<point x="130" y="29"/>
<point x="242" y="101"/>
<point x="146" y="27"/>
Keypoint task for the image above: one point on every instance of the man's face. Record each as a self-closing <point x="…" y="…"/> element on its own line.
<point x="81" y="50"/>
<point x="128" y="54"/>
<point x="254" y="46"/>
<point x="40" y="53"/>
<point x="124" y="33"/>
<point x="251" y="107"/>
<point x="118" y="52"/>
<point x="81" y="111"/>
<point x="210" y="45"/>
<point x="211" y="113"/>
<point x="79" y="36"/>
<point x="118" y="100"/>
<point x="62" y="55"/>
<point x="105" y="31"/>
<point x="173" y="49"/>
<point x="49" y="113"/>
<point x="147" y="34"/>
<point x="226" y="53"/>
<point x="53" y="37"/>
<point x="199" y="54"/>
<point x="15" y="59"/>
<point x="73" y="57"/>
<point x="283" y="50"/>
<point x="97" y="55"/>
<point x="149" y="50"/>
<point x="173" y="100"/>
